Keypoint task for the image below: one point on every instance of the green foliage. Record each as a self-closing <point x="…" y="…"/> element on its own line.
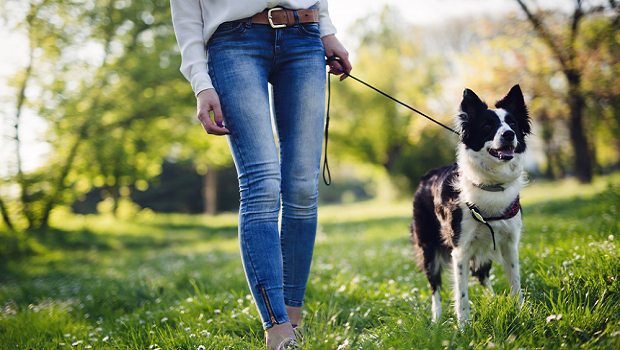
<point x="115" y="103"/>
<point x="367" y="127"/>
<point x="176" y="282"/>
<point x="582" y="63"/>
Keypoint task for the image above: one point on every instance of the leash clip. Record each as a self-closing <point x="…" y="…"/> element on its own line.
<point x="477" y="216"/>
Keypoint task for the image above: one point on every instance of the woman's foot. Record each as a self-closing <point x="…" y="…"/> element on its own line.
<point x="276" y="336"/>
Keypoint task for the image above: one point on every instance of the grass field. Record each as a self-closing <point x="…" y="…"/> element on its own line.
<point x="176" y="282"/>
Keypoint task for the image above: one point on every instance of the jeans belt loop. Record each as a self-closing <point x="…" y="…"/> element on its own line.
<point x="296" y="18"/>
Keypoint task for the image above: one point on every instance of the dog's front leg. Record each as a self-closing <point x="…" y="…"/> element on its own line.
<point x="510" y="257"/>
<point x="460" y="266"/>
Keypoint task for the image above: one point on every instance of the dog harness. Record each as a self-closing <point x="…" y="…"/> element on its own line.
<point x="511" y="212"/>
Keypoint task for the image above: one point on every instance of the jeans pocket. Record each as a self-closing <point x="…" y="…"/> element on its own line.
<point x="228" y="31"/>
<point x="310" y="31"/>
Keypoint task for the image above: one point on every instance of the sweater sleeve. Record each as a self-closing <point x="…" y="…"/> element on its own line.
<point x="325" y="23"/>
<point x="188" y="28"/>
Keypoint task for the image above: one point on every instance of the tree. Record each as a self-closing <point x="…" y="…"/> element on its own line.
<point x="601" y="87"/>
<point x="115" y="103"/>
<point x="573" y="62"/>
<point x="47" y="37"/>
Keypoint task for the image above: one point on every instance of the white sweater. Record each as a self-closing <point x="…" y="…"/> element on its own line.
<point x="195" y="21"/>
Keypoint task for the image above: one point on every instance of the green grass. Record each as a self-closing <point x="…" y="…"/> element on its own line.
<point x="176" y="282"/>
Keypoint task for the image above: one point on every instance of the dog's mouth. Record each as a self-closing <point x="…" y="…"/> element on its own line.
<point x="503" y="153"/>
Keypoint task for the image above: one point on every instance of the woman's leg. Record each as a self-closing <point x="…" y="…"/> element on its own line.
<point x="299" y="101"/>
<point x="239" y="67"/>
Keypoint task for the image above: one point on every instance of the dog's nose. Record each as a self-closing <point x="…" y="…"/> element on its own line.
<point x="508" y="135"/>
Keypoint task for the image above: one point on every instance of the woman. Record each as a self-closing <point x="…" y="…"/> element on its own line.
<point x="230" y="51"/>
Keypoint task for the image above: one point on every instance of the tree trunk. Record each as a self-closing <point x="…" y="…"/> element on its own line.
<point x="56" y="192"/>
<point x="579" y="141"/>
<point x="567" y="56"/>
<point x="5" y="216"/>
<point x="210" y="191"/>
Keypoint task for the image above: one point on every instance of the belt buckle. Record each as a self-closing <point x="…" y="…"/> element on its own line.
<point x="270" y="18"/>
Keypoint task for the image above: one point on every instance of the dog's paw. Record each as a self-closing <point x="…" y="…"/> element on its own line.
<point x="464" y="321"/>
<point x="463" y="314"/>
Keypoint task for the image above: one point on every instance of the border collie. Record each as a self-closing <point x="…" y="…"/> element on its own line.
<point x="468" y="214"/>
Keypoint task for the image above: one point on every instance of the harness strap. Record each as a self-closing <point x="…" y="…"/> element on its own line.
<point x="512" y="211"/>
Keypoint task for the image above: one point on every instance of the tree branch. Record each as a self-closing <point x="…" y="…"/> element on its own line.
<point x="5" y="216"/>
<point x="545" y="35"/>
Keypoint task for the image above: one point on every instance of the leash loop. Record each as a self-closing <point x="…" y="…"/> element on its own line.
<point x="327" y="180"/>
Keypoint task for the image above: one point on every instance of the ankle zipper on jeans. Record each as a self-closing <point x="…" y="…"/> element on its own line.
<point x="271" y="315"/>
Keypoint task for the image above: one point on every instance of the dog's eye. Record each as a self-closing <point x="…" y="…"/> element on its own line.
<point x="486" y="127"/>
<point x="512" y="124"/>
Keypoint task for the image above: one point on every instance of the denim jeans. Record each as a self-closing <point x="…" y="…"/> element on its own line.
<point x="243" y="58"/>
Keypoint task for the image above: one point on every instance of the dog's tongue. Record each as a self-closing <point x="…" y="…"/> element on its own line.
<point x="506" y="153"/>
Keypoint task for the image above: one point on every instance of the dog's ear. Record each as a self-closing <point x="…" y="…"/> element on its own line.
<point x="514" y="103"/>
<point x="471" y="106"/>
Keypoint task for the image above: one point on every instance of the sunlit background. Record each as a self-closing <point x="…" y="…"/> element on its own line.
<point x="344" y="14"/>
<point x="106" y="120"/>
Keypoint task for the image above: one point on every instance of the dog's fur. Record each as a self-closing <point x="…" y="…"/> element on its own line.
<point x="491" y="154"/>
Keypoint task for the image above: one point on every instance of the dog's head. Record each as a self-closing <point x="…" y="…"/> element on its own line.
<point x="496" y="134"/>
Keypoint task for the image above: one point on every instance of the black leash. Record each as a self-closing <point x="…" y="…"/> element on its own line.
<point x="335" y="58"/>
<point x="399" y="102"/>
<point x="325" y="166"/>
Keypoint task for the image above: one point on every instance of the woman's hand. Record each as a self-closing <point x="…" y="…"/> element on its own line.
<point x="333" y="47"/>
<point x="209" y="101"/>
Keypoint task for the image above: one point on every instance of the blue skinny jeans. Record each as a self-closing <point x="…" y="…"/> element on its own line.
<point x="243" y="58"/>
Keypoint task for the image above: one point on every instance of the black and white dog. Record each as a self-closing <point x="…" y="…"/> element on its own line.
<point x="467" y="214"/>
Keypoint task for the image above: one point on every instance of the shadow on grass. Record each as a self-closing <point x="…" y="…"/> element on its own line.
<point x="172" y="235"/>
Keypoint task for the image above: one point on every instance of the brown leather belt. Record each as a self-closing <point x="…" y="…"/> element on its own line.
<point x="278" y="17"/>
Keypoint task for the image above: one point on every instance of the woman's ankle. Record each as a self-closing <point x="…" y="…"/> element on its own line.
<point x="294" y="314"/>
